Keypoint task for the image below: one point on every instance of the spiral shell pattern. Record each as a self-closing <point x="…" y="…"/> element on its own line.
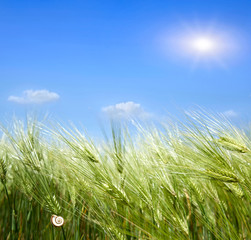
<point x="57" y="221"/>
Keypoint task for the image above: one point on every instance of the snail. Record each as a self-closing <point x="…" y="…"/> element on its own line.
<point x="57" y="221"/>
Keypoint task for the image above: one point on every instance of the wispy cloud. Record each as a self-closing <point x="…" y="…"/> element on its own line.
<point x="34" y="97"/>
<point x="126" y="110"/>
<point x="230" y="113"/>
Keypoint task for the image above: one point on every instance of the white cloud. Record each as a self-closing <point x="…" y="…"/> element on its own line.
<point x="230" y="113"/>
<point x="37" y="97"/>
<point x="126" y="110"/>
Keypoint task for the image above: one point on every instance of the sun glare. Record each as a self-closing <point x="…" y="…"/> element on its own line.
<point x="204" y="45"/>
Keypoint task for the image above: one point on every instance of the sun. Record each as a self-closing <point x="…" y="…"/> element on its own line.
<point x="203" y="45"/>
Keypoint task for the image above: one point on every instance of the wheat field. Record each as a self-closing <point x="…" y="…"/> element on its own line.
<point x="183" y="180"/>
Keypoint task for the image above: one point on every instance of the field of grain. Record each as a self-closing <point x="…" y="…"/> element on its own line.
<point x="184" y="180"/>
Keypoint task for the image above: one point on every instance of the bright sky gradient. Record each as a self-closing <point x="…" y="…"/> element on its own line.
<point x="82" y="60"/>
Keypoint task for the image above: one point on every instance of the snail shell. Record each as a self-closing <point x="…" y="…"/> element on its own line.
<point x="57" y="221"/>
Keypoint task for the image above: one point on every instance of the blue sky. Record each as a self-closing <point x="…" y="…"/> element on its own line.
<point x="83" y="60"/>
